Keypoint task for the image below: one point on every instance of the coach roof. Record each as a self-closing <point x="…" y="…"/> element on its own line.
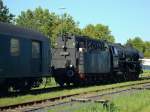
<point x="20" y="32"/>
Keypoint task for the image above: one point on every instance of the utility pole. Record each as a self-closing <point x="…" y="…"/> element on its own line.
<point x="62" y="20"/>
<point x="62" y="35"/>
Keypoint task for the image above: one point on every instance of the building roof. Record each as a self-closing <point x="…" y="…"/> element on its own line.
<point x="20" y="32"/>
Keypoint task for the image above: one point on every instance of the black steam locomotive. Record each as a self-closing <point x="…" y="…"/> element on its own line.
<point x="80" y="59"/>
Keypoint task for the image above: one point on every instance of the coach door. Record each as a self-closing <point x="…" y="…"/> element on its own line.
<point x="36" y="65"/>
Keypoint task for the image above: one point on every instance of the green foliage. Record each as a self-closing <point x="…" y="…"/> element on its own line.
<point x="53" y="25"/>
<point x="139" y="44"/>
<point x="66" y="24"/>
<point x="147" y="49"/>
<point x="98" y="31"/>
<point x="39" y="19"/>
<point x="5" y="15"/>
<point x="48" y="23"/>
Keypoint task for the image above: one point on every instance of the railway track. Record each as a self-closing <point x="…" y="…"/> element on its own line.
<point x="46" y="90"/>
<point x="84" y="100"/>
<point x="52" y="101"/>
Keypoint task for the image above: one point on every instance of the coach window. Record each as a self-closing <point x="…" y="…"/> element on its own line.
<point x="35" y="49"/>
<point x="14" y="47"/>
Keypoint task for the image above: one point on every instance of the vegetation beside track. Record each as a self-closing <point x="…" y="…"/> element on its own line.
<point x="137" y="102"/>
<point x="146" y="73"/>
<point x="80" y="107"/>
<point x="47" y="82"/>
<point x="33" y="97"/>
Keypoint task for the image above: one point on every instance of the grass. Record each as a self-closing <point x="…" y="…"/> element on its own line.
<point x="47" y="82"/>
<point x="137" y="102"/>
<point x="32" y="97"/>
<point x="79" y="107"/>
<point x="93" y="107"/>
<point x="145" y="73"/>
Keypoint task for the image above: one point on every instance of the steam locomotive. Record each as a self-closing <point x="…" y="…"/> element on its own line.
<point x="26" y="57"/>
<point x="82" y="60"/>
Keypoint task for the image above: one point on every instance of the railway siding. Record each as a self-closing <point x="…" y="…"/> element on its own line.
<point x="99" y="97"/>
<point x="69" y="93"/>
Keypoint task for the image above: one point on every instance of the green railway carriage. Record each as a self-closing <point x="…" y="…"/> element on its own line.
<point x="24" y="57"/>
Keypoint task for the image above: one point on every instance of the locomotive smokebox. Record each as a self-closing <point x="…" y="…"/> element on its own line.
<point x="132" y="53"/>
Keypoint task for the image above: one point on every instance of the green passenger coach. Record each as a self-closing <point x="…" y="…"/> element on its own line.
<point x="24" y="57"/>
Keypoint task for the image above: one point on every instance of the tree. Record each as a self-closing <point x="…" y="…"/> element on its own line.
<point x="39" y="19"/>
<point x="98" y="31"/>
<point x="47" y="22"/>
<point x="5" y="15"/>
<point x="139" y="44"/>
<point x="147" y="49"/>
<point x="66" y="24"/>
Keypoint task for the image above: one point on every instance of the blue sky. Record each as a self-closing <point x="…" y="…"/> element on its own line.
<point x="125" y="18"/>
